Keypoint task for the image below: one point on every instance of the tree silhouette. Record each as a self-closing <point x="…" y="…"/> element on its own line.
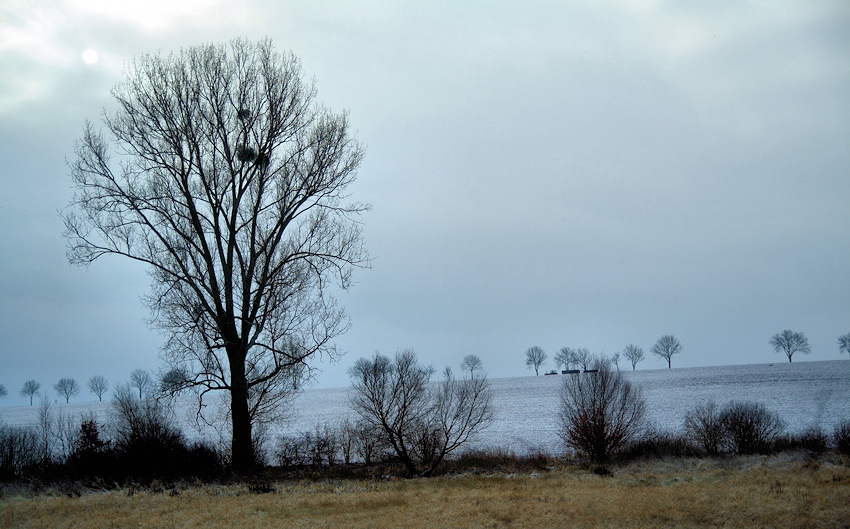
<point x="666" y="347"/>
<point x="30" y="389"/>
<point x="229" y="183"/>
<point x="790" y="342"/>
<point x="534" y="358"/>
<point x="67" y="387"/>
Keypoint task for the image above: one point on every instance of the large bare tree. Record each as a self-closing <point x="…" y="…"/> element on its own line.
<point x="221" y="174"/>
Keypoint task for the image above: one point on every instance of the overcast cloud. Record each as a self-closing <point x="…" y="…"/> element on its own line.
<point x="584" y="175"/>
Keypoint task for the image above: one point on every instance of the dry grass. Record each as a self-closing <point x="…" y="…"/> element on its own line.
<point x="780" y="491"/>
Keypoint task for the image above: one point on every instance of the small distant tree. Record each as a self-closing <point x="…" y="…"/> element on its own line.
<point x="141" y="380"/>
<point x="3" y="391"/>
<point x="472" y="364"/>
<point x="601" y="412"/>
<point x="583" y="358"/>
<point x="634" y="354"/>
<point x="30" y="389"/>
<point x="666" y="347"/>
<point x="564" y="357"/>
<point x="790" y="342"/>
<point x="534" y="358"/>
<point x="67" y="387"/>
<point x="616" y="359"/>
<point x="844" y="344"/>
<point x="99" y="386"/>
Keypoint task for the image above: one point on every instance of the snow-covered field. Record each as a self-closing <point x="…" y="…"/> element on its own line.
<point x="803" y="394"/>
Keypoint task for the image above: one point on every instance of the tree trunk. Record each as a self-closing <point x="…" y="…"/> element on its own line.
<point x="242" y="445"/>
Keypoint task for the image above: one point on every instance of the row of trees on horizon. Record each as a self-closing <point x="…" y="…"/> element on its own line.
<point x="787" y="342"/>
<point x="66" y="388"/>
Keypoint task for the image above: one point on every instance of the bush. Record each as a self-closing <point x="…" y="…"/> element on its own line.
<point x="18" y="451"/>
<point x="841" y="437"/>
<point x="601" y="413"/>
<point x="92" y="456"/>
<point x="750" y="427"/>
<point x="315" y="448"/>
<point x="812" y="440"/>
<point x="146" y="438"/>
<point x="659" y="445"/>
<point x="704" y="428"/>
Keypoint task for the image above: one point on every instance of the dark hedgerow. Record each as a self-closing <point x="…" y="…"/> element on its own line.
<point x="813" y="440"/>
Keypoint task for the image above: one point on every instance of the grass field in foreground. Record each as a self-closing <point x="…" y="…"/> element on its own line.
<point x="778" y="491"/>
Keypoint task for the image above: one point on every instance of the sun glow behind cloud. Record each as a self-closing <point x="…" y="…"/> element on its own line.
<point x="43" y="41"/>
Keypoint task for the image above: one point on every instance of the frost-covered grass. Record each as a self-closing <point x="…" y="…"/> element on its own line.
<point x="778" y="491"/>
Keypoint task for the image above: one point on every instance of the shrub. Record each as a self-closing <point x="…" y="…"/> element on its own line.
<point x="659" y="445"/>
<point x="92" y="456"/>
<point x="146" y="438"/>
<point x="813" y="440"/>
<point x="601" y="412"/>
<point x="315" y="448"/>
<point x="18" y="451"/>
<point x="750" y="427"/>
<point x="704" y="428"/>
<point x="841" y="437"/>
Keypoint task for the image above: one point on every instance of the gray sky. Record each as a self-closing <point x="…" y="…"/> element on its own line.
<point x="541" y="173"/>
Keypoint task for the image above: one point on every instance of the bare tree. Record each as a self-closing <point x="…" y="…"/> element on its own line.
<point x="534" y="358"/>
<point x="230" y="185"/>
<point x="600" y="413"/>
<point x="615" y="358"/>
<point x="844" y="344"/>
<point x="790" y="342"/>
<point x="99" y="386"/>
<point x="472" y="364"/>
<point x="30" y="389"/>
<point x="3" y="391"/>
<point x="564" y="357"/>
<point x="704" y="427"/>
<point x="422" y="424"/>
<point x="634" y="354"/>
<point x="67" y="387"/>
<point x="666" y="347"/>
<point x="141" y="380"/>
<point x="583" y="358"/>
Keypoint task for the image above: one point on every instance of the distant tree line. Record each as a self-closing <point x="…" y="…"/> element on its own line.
<point x="787" y="342"/>
<point x="581" y="358"/>
<point x="140" y="380"/>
